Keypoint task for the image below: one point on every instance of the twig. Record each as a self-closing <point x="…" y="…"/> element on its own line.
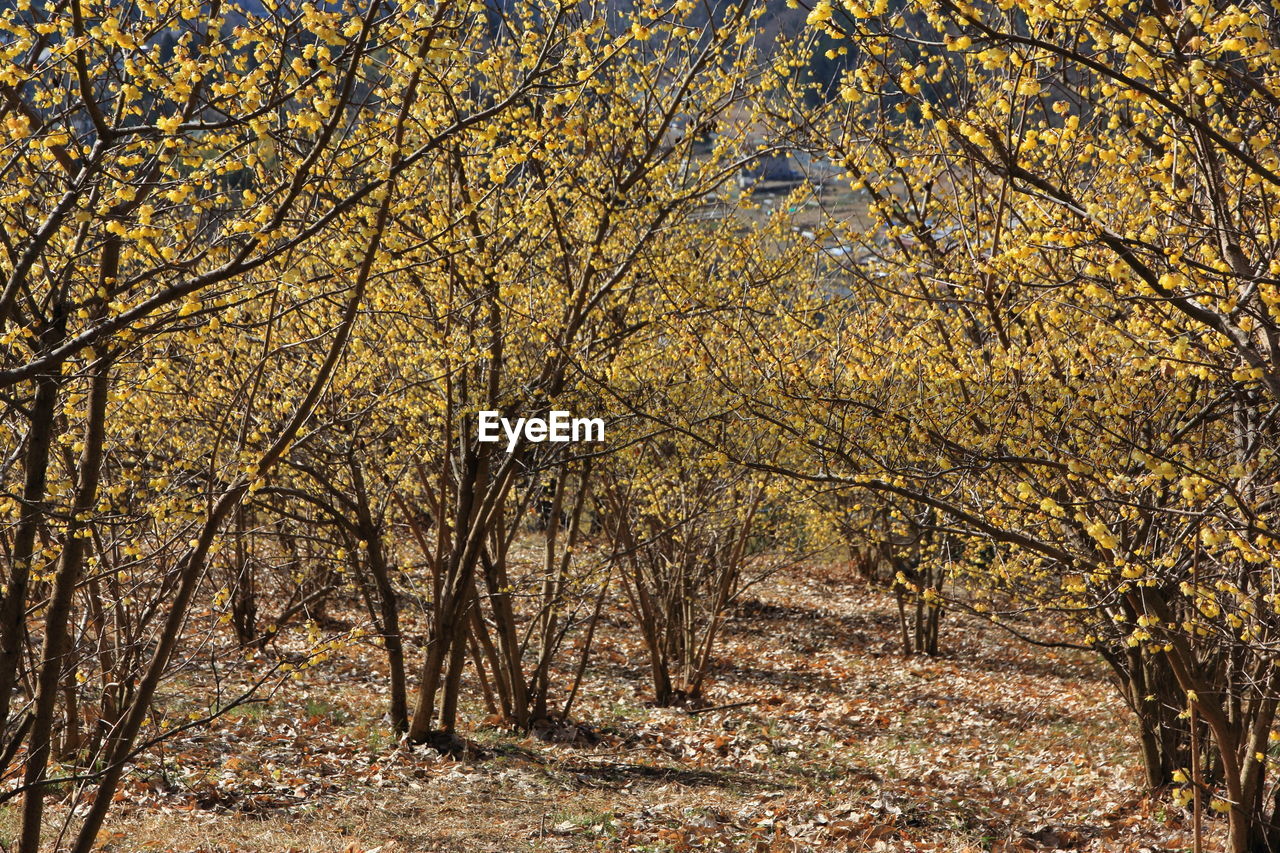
<point x="693" y="711"/>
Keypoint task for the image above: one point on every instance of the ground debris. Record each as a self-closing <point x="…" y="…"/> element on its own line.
<point x="813" y="737"/>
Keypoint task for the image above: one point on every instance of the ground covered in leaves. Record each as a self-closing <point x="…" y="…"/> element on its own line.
<point x="832" y="741"/>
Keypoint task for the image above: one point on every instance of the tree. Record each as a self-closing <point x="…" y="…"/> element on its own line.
<point x="174" y="174"/>
<point x="690" y="535"/>
<point x="1058" y="332"/>
<point x="549" y="256"/>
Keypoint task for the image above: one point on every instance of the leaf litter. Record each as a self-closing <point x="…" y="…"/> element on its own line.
<point x="828" y="739"/>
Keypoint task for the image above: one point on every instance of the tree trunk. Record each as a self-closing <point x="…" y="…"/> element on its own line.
<point x="56" y="645"/>
<point x="13" y="607"/>
<point x="370" y="531"/>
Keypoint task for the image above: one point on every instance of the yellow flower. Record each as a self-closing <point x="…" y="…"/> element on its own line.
<point x="169" y="124"/>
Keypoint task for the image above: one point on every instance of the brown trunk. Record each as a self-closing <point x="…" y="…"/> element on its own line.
<point x="370" y="531"/>
<point x="13" y="607"/>
<point x="498" y="586"/>
<point x="58" y="615"/>
<point x="244" y="597"/>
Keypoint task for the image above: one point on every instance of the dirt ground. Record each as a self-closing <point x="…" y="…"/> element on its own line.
<point x="831" y="741"/>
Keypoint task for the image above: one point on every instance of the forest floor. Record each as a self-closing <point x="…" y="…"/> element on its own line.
<point x="842" y="744"/>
